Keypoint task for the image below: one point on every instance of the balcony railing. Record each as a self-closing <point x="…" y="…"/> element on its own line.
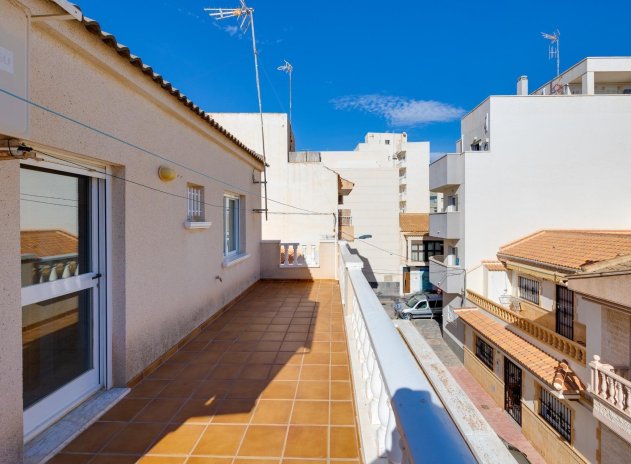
<point x="610" y="387"/>
<point x="446" y="173"/>
<point x="298" y="255"/>
<point x="558" y="342"/>
<point x="445" y="225"/>
<point x="445" y="274"/>
<point x="402" y="419"/>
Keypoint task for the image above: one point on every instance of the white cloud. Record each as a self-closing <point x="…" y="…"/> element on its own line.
<point x="232" y="30"/>
<point x="400" y="111"/>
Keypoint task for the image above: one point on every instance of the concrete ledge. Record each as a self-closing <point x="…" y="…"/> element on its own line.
<point x="481" y="438"/>
<point x="48" y="443"/>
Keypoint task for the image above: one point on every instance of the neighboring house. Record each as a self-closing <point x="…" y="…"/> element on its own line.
<point x="533" y="161"/>
<point x="303" y="219"/>
<point x="390" y="176"/>
<point x="416" y="249"/>
<point x="117" y="264"/>
<point x="554" y="301"/>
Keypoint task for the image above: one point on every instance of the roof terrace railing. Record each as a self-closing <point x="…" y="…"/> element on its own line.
<point x="401" y="417"/>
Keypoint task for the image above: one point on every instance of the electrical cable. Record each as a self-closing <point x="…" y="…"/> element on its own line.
<point x="144" y="150"/>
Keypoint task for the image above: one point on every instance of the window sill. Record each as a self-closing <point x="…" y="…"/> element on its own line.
<point x="197" y="225"/>
<point x="229" y="261"/>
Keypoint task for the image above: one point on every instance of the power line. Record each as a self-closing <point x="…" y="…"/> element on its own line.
<point x="46" y="196"/>
<point x="47" y="203"/>
<point x="144" y="150"/>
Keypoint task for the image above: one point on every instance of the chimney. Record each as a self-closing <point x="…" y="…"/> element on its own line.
<point x="522" y="85"/>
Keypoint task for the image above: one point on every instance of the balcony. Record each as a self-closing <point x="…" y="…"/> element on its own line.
<point x="445" y="274"/>
<point x="612" y="398"/>
<point x="294" y="371"/>
<point x="445" y="225"/>
<point x="446" y="173"/>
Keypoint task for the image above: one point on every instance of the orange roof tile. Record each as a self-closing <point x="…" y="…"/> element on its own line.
<point x="540" y="363"/>
<point x="568" y="249"/>
<point x="43" y="243"/>
<point x="414" y="222"/>
<point x="493" y="265"/>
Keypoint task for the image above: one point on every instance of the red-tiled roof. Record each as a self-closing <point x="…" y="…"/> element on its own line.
<point x="43" y="243"/>
<point x="540" y="363"/>
<point x="493" y="265"/>
<point x="414" y="223"/>
<point x="568" y="249"/>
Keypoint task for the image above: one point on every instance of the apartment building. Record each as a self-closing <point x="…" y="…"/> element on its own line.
<point x="390" y="175"/>
<point x="416" y="249"/>
<point x="528" y="161"/>
<point x="554" y="301"/>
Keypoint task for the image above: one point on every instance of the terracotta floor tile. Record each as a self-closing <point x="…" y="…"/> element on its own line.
<point x="339" y="359"/>
<point x="179" y="389"/>
<point x="162" y="460"/>
<point x="263" y="357"/>
<point x="246" y="460"/>
<point x="272" y="412"/>
<point x="341" y="391"/>
<point x="304" y="461"/>
<point x="288" y="357"/>
<point x="343" y="442"/>
<point x="342" y="413"/>
<point x="274" y="336"/>
<point x="317" y="358"/>
<point x="284" y="372"/>
<point x="135" y="438"/>
<point x="114" y="459"/>
<point x="310" y="413"/>
<point x="63" y="458"/>
<point x="195" y="411"/>
<point x="206" y="357"/>
<point x="306" y="442"/>
<point x="253" y="371"/>
<point x="233" y="412"/>
<point x="177" y="439"/>
<point x="340" y="373"/>
<point x="314" y="372"/>
<point x="125" y="409"/>
<point x="263" y="440"/>
<point x="280" y="390"/>
<point x="226" y="372"/>
<point x="148" y="388"/>
<point x="246" y="389"/>
<point x="212" y="389"/>
<point x="196" y="371"/>
<point x="160" y="410"/>
<point x="94" y="437"/>
<point x="168" y="370"/>
<point x="220" y="440"/>
<point x="251" y="336"/>
<point x="235" y="357"/>
<point x="338" y="347"/>
<point x="313" y="390"/>
<point x="206" y="460"/>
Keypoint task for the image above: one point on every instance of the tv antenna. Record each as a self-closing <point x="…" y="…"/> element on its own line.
<point x="288" y="69"/>
<point x="245" y="17"/>
<point x="554" y="48"/>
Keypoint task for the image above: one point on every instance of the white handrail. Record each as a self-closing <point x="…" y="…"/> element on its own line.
<point x="610" y="387"/>
<point x="405" y="420"/>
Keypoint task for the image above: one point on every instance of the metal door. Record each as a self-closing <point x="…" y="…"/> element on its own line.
<point x="512" y="390"/>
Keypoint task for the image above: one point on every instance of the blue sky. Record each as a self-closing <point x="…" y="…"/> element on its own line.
<point x="363" y="66"/>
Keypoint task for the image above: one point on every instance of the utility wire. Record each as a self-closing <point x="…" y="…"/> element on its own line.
<point x="144" y="150"/>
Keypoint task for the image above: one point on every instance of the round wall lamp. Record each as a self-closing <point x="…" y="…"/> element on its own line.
<point x="166" y="173"/>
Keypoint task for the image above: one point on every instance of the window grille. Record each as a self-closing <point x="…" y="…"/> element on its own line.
<point x="565" y="312"/>
<point x="484" y="352"/>
<point x="195" y="201"/>
<point x="529" y="290"/>
<point x="556" y="414"/>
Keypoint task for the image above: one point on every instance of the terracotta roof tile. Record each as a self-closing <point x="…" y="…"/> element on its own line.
<point x="414" y="222"/>
<point x="540" y="363"/>
<point x="568" y="249"/>
<point x="43" y="243"/>
<point x="493" y="265"/>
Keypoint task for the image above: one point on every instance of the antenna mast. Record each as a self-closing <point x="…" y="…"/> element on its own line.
<point x="245" y="15"/>
<point x="554" y="48"/>
<point x="288" y="69"/>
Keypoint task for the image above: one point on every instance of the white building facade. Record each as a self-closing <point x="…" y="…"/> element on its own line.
<point x="528" y="162"/>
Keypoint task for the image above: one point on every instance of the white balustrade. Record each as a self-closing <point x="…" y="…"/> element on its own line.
<point x="402" y="419"/>
<point x="299" y="255"/>
<point x="610" y="387"/>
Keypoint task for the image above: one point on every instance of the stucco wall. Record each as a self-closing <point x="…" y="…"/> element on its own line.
<point x="163" y="277"/>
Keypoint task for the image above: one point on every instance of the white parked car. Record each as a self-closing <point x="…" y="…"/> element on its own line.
<point x="419" y="305"/>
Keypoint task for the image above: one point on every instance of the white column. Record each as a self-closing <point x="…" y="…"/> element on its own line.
<point x="588" y="83"/>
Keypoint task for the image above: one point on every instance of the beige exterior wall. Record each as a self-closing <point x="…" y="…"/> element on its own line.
<point x="613" y="449"/>
<point x="491" y="383"/>
<point x="163" y="279"/>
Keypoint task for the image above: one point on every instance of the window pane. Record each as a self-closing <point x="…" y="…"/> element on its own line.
<point x="56" y="343"/>
<point x="232" y="225"/>
<point x="54" y="223"/>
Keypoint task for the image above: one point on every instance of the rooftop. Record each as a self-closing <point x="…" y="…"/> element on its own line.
<point x="541" y="364"/>
<point x="568" y="250"/>
<point x="414" y="223"/>
<point x="47" y="242"/>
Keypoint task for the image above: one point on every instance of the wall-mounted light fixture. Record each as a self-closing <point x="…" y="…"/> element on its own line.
<point x="166" y="174"/>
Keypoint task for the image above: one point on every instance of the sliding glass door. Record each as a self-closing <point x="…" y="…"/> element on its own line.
<point x="61" y="253"/>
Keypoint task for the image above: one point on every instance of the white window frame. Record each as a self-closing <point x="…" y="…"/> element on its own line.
<point x="237" y="232"/>
<point x="195" y="210"/>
